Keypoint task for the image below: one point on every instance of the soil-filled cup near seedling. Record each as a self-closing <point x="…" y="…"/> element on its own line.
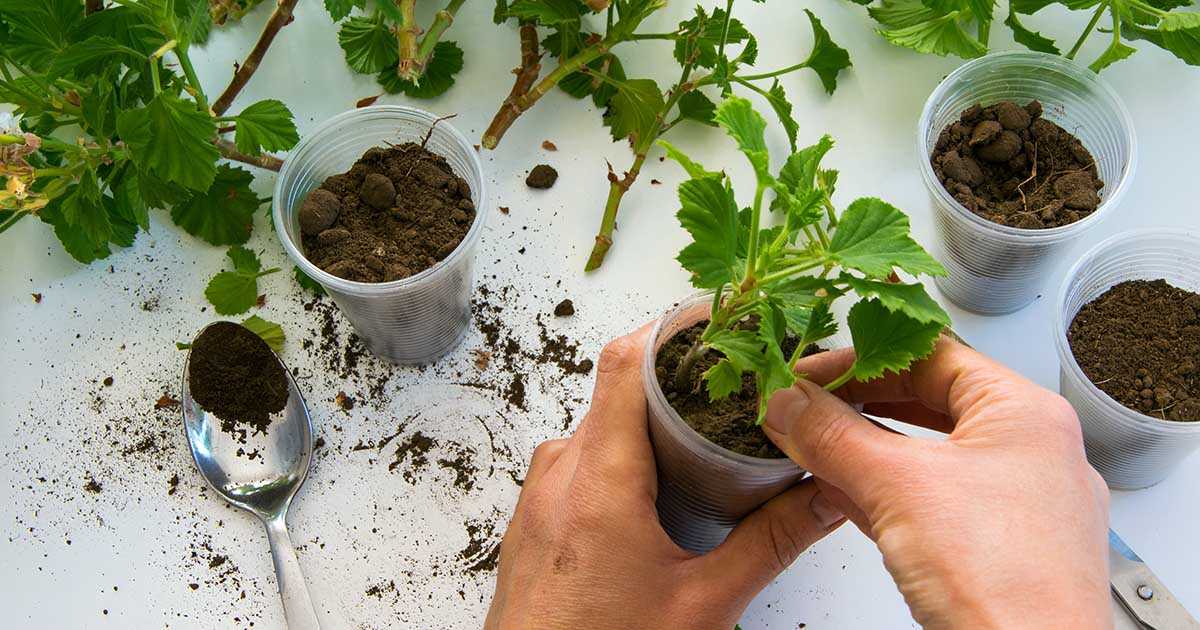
<point x="414" y="319"/>
<point x="1130" y="448"/>
<point x="704" y="489"/>
<point x="995" y="268"/>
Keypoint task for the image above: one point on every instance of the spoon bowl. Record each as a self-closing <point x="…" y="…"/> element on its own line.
<point x="260" y="473"/>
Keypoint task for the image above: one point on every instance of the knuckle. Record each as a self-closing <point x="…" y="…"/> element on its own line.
<point x="1061" y="421"/>
<point x="546" y="450"/>
<point x="618" y="355"/>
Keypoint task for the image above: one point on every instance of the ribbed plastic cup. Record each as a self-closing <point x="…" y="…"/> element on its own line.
<point x="704" y="490"/>
<point x="415" y="319"/>
<point x="1130" y="449"/>
<point x="996" y="269"/>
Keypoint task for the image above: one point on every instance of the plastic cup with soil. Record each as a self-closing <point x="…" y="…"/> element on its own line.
<point x="1128" y="340"/>
<point x="1021" y="153"/>
<point x="715" y="464"/>
<point x="384" y="206"/>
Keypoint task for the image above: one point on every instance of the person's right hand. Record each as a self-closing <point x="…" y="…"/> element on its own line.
<point x="1004" y="524"/>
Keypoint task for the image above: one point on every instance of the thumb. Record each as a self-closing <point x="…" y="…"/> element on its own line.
<point x="768" y="540"/>
<point x="827" y="437"/>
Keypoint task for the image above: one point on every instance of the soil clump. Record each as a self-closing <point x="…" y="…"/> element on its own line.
<point x="233" y="375"/>
<point x="542" y="176"/>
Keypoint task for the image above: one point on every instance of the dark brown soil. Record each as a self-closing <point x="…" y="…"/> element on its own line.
<point x="233" y="375"/>
<point x="1010" y="166"/>
<point x="542" y="176"/>
<point x="730" y="423"/>
<point x="1139" y="342"/>
<point x="565" y="308"/>
<point x="397" y="212"/>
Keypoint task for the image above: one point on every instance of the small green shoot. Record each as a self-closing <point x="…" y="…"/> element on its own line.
<point x="233" y="292"/>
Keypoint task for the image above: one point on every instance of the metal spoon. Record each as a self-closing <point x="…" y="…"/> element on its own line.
<point x="262" y="479"/>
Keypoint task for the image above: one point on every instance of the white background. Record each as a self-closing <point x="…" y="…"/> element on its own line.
<point x="67" y="556"/>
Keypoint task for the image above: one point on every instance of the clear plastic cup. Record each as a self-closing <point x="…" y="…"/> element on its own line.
<point x="996" y="269"/>
<point x="704" y="490"/>
<point x="416" y="319"/>
<point x="1130" y="449"/>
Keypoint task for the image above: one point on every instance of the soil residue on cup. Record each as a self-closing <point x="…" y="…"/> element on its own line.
<point x="1009" y="165"/>
<point x="233" y="375"/>
<point x="730" y="423"/>
<point x="397" y="212"/>
<point x="1139" y="342"/>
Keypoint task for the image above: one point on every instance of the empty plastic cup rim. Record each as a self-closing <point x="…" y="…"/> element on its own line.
<point x="1067" y="358"/>
<point x="1045" y="61"/>
<point x="681" y="431"/>
<point x="311" y="145"/>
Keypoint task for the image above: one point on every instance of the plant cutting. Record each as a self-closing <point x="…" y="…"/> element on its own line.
<point x="389" y="43"/>
<point x="1128" y="345"/>
<point x="771" y="287"/>
<point x="114" y="123"/>
<point x="713" y="50"/>
<point x="962" y="27"/>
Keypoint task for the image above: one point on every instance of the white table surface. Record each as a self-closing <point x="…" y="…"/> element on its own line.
<point x="127" y="556"/>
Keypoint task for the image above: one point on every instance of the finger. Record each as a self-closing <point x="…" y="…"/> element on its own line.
<point x="768" y="540"/>
<point x="614" y="433"/>
<point x="911" y="412"/>
<point x="544" y="457"/>
<point x="826" y="436"/>
<point x="945" y="383"/>
<point x="845" y="505"/>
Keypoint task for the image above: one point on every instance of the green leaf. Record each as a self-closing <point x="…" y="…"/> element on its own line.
<point x="633" y="112"/>
<point x="339" y="9"/>
<point x="737" y="116"/>
<point x="1179" y="21"/>
<point x="820" y="324"/>
<point x="546" y="12"/>
<point x="942" y="36"/>
<point x="1184" y="43"/>
<point x="171" y="138"/>
<point x="233" y="292"/>
<point x="39" y="30"/>
<point x="75" y="240"/>
<point x="127" y="199"/>
<point x="92" y="55"/>
<point x="694" y="169"/>
<point x="722" y="379"/>
<point x="783" y="109"/>
<point x="887" y="341"/>
<point x="1115" y="52"/>
<point x="439" y="76"/>
<point x="369" y="45"/>
<point x="910" y="299"/>
<point x="902" y="13"/>
<point x="265" y="126"/>
<point x="709" y="213"/>
<point x="83" y="211"/>
<point x="873" y="237"/>
<point x="694" y="105"/>
<point x="306" y="282"/>
<point x="1030" y="39"/>
<point x="500" y="12"/>
<point x="701" y="37"/>
<point x="827" y="59"/>
<point x="774" y="374"/>
<point x="224" y="214"/>
<point x="742" y="348"/>
<point x="269" y="332"/>
<point x="800" y="171"/>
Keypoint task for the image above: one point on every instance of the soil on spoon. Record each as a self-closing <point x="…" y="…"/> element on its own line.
<point x="1139" y="342"/>
<point x="233" y="375"/>
<point x="1010" y="166"/>
<point x="731" y="423"/>
<point x="397" y="212"/>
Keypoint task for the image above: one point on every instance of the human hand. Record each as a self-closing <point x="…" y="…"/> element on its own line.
<point x="585" y="550"/>
<point x="1004" y="524"/>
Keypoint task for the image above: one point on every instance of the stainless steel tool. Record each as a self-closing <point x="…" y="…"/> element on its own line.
<point x="1140" y="600"/>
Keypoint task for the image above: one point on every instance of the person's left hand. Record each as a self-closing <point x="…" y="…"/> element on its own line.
<point x="585" y="549"/>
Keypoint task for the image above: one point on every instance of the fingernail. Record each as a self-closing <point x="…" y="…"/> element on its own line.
<point x="784" y="407"/>
<point x="824" y="511"/>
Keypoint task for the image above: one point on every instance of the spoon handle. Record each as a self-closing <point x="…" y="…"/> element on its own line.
<point x="297" y="605"/>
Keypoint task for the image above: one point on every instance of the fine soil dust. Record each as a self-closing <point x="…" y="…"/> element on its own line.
<point x="1010" y="166"/>
<point x="397" y="212"/>
<point x="731" y="423"/>
<point x="233" y="375"/>
<point x="1139" y="342"/>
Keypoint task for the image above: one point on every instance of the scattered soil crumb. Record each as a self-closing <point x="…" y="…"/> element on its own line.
<point x="542" y="177"/>
<point x="173" y="484"/>
<point x="108" y="381"/>
<point x="37" y="298"/>
<point x="166" y="402"/>
<point x="483" y="358"/>
<point x="549" y="146"/>
<point x="504" y="210"/>
<point x="344" y="401"/>
<point x="93" y="486"/>
<point x="565" y="308"/>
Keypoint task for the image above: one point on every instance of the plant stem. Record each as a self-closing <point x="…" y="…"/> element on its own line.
<point x="643" y="36"/>
<point x="773" y="73"/>
<point x="984" y="31"/>
<point x="442" y="21"/>
<point x="406" y="37"/>
<point x="841" y="380"/>
<point x="755" y="223"/>
<point x="725" y="29"/>
<point x="687" y="365"/>
<point x="185" y="62"/>
<point x="279" y="19"/>
<point x="787" y="272"/>
<point x="1088" y="30"/>
<point x="229" y="151"/>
